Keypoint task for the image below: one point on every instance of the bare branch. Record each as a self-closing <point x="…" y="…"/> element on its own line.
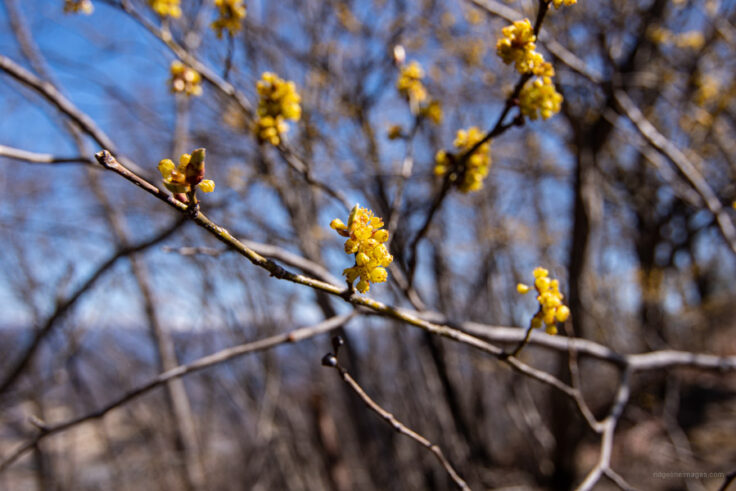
<point x="42" y="158"/>
<point x="683" y="164"/>
<point x="267" y="250"/>
<point x="609" y="428"/>
<point x="216" y="358"/>
<point x="331" y="360"/>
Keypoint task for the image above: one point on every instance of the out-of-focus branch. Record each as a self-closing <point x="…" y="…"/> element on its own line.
<point x="25" y="39"/>
<point x="407" y="165"/>
<point x="642" y="362"/>
<point x="64" y="306"/>
<point x="216" y="358"/>
<point x="609" y="427"/>
<point x="330" y="360"/>
<point x="43" y="158"/>
<point x="267" y="250"/>
<point x="51" y="94"/>
<point x="683" y="164"/>
<point x="683" y="191"/>
<point x="301" y="167"/>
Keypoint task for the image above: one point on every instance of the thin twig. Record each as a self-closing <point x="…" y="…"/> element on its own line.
<point x="267" y="250"/>
<point x="640" y="362"/>
<point x="683" y="164"/>
<point x="406" y="169"/>
<point x="609" y="428"/>
<point x="297" y="164"/>
<point x="43" y="158"/>
<point x="331" y="361"/>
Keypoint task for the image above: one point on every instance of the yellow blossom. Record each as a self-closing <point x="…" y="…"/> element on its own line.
<point x="366" y="239"/>
<point x="432" y="111"/>
<point x="551" y="309"/>
<point x="231" y="15"/>
<point x="278" y="101"/>
<point x="539" y="97"/>
<point x="164" y="8"/>
<point x="182" y="179"/>
<point x="206" y="186"/>
<point x="522" y="288"/>
<point x="518" y="46"/>
<point x="74" y="6"/>
<point x="185" y="79"/>
<point x="409" y="84"/>
<point x="470" y="170"/>
<point x="559" y="3"/>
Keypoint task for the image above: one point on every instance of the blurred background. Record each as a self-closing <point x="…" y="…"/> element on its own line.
<point x="641" y="256"/>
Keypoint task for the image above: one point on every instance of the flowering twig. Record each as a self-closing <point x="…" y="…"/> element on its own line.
<point x="647" y="130"/>
<point x="498" y="129"/>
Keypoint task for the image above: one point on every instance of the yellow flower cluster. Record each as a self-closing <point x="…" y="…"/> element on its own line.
<point x="518" y="46"/>
<point x="189" y="173"/>
<point x="551" y="309"/>
<point x="409" y="85"/>
<point x="232" y="13"/>
<point x="74" y="6"/>
<point x="432" y="111"/>
<point x="476" y="165"/>
<point x="539" y="97"/>
<point x="560" y="3"/>
<point x="366" y="239"/>
<point x="185" y="79"/>
<point x="164" y="8"/>
<point x="278" y="101"/>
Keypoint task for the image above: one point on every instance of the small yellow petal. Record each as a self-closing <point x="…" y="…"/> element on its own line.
<point x="378" y="275"/>
<point x="363" y="286"/>
<point x="206" y="186"/>
<point x="337" y="224"/>
<point x="562" y="314"/>
<point x="166" y="167"/>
